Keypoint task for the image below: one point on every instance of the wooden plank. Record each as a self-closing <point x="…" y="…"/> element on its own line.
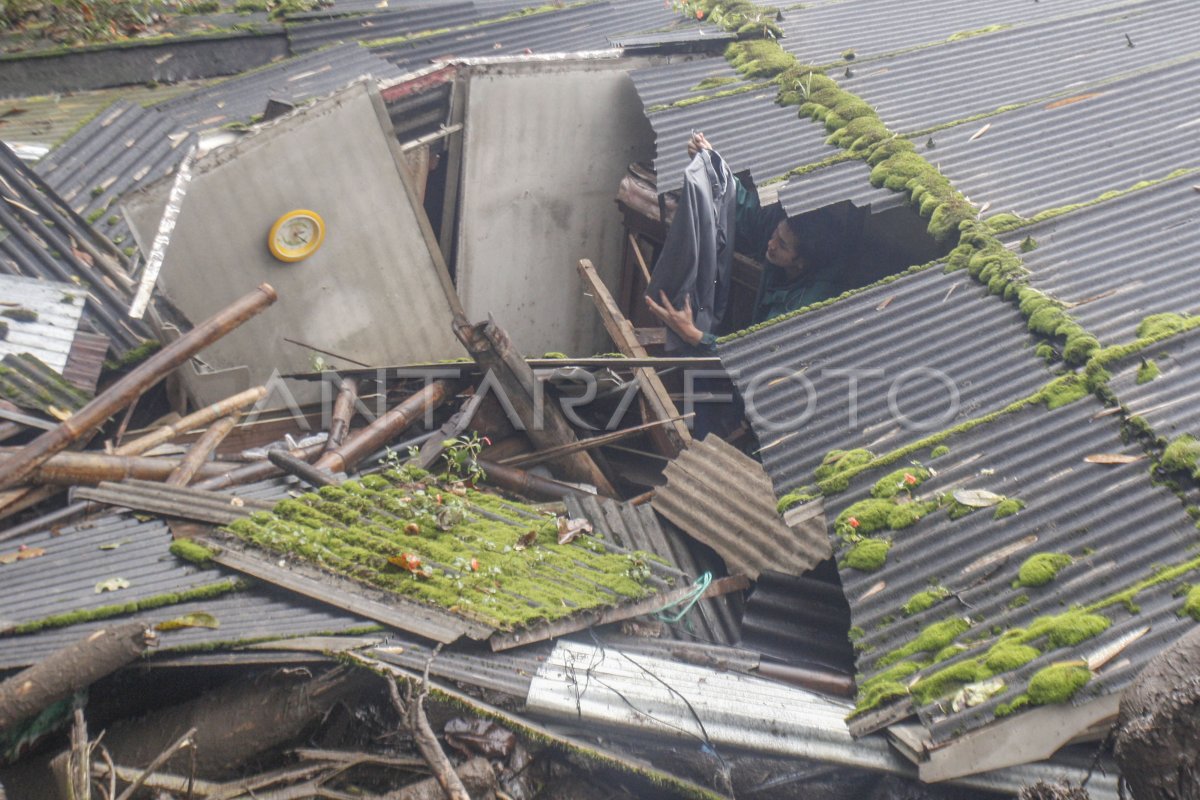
<point x="670" y="439"/>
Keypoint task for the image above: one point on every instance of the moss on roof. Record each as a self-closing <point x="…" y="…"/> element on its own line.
<point x="438" y="542"/>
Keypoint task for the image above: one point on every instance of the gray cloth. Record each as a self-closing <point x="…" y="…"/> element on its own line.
<point x="697" y="257"/>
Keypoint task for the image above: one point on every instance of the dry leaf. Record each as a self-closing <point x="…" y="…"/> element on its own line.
<point x="885" y="303"/>
<point x="197" y="620"/>
<point x="527" y="539"/>
<point x="1111" y="458"/>
<point x="979" y="132"/>
<point x="874" y="590"/>
<point x="977" y="498"/>
<point x="22" y="553"/>
<point x="1069" y="100"/>
<point x="111" y="585"/>
<point x="113" y="545"/>
<point x="568" y="529"/>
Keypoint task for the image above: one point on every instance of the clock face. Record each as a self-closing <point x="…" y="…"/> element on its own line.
<point x="296" y="235"/>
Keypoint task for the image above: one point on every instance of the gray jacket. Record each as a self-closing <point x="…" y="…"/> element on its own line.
<point x="697" y="256"/>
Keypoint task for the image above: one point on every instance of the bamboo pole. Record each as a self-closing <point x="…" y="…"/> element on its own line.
<point x="343" y="412"/>
<point x="199" y="419"/>
<point x="69" y="469"/>
<point x="124" y="391"/>
<point x="259" y="470"/>
<point x="527" y="484"/>
<point x="385" y="428"/>
<point x="301" y="469"/>
<point x="201" y="449"/>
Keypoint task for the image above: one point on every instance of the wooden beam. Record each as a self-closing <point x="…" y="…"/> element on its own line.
<point x="669" y="439"/>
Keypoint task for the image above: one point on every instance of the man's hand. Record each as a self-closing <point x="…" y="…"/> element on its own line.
<point x="679" y="320"/>
<point x="697" y="143"/>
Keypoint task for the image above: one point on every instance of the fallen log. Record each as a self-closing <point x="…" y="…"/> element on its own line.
<point x="385" y="428"/>
<point x="66" y="671"/>
<point x="1158" y="730"/>
<point x="259" y="470"/>
<point x="306" y="472"/>
<point x="130" y="387"/>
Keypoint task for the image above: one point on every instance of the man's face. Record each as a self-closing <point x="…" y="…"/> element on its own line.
<point x="784" y="250"/>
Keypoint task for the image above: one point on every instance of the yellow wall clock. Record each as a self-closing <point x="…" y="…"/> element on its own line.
<point x="296" y="235"/>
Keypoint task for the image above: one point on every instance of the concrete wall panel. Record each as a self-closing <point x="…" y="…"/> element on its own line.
<point x="544" y="152"/>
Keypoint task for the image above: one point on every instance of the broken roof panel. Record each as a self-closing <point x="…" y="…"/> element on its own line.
<point x="1120" y="546"/>
<point x="723" y="498"/>
<point x="637" y="528"/>
<point x="1024" y="64"/>
<point x="1118" y="262"/>
<point x="1058" y="153"/>
<point x="800" y="620"/>
<point x="43" y="238"/>
<point x="878" y="369"/>
<point x="28" y="383"/>
<point x="847" y="181"/>
<point x="824" y="32"/>
<point x="55" y="309"/>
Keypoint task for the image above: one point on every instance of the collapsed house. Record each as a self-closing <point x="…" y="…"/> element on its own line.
<point x="967" y="524"/>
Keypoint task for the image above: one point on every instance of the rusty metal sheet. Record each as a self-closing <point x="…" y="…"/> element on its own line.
<point x="724" y="498"/>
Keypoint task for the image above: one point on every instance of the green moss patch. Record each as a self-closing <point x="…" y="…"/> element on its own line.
<point x="939" y="451"/>
<point x="433" y="541"/>
<point x="1058" y="683"/>
<point x="1191" y="604"/>
<point x="1007" y="507"/>
<point x="930" y="640"/>
<point x="1040" y="569"/>
<point x="1147" y="371"/>
<point x="923" y="601"/>
<point x="758" y="58"/>
<point x="205" y="592"/>
<point x="1181" y="455"/>
<point x="867" y="555"/>
<point x="191" y="551"/>
<point x="899" y="482"/>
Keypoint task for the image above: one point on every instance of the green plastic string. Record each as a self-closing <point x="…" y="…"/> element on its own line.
<point x="686" y="602"/>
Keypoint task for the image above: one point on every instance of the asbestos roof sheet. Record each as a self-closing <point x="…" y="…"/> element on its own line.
<point x="1118" y="262"/>
<point x="40" y="237"/>
<point x="579" y="28"/>
<point x="1024" y="64"/>
<point x="848" y="181"/>
<point x="1117" y="527"/>
<point x="1108" y="138"/>
<point x="80" y="556"/>
<point x="1168" y="402"/>
<point x="638" y="528"/>
<point x="379" y="24"/>
<point x="255" y="614"/>
<point x="58" y="307"/>
<point x="821" y="33"/>
<point x="800" y="620"/>
<point x="28" y="383"/>
<point x="915" y="363"/>
<point x="670" y="83"/>
<point x="723" y="498"/>
<point x="756" y="134"/>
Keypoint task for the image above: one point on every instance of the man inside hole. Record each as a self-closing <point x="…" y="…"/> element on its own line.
<point x="800" y="267"/>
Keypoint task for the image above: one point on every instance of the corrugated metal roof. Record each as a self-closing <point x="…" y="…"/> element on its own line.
<point x="846" y="181"/>
<point x="916" y="366"/>
<point x="58" y="307"/>
<point x="1024" y="64"/>
<point x="723" y="498"/>
<point x="637" y="528"/>
<point x="1120" y="261"/>
<point x="1168" y="402"/>
<point x="29" y="383"/>
<point x="45" y="239"/>
<point x="509" y="672"/>
<point x="822" y="33"/>
<point x="605" y="686"/>
<point x="1051" y="155"/>
<point x="671" y="83"/>
<point x="749" y="128"/>
<point x="696" y="39"/>
<point x="1115" y="524"/>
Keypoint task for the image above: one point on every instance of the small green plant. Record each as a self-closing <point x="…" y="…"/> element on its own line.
<point x="461" y="454"/>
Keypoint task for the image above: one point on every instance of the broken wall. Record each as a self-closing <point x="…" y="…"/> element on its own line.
<point x="373" y="292"/>
<point x="545" y="148"/>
